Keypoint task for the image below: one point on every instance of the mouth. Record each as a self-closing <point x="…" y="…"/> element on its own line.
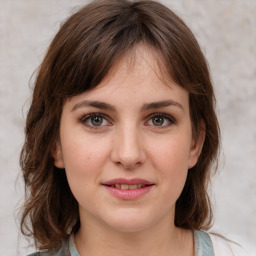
<point x="128" y="189"/>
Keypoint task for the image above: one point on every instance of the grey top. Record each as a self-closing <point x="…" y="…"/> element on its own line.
<point x="202" y="241"/>
<point x="203" y="244"/>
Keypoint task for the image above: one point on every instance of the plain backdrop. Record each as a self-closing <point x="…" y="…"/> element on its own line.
<point x="226" y="30"/>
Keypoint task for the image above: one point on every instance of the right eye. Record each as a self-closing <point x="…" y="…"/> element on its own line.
<point x="160" y="120"/>
<point x="94" y="120"/>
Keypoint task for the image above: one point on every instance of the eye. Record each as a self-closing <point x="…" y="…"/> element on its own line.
<point x="95" y="120"/>
<point x="160" y="120"/>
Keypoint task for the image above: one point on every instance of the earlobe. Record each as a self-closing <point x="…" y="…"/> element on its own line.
<point x="57" y="155"/>
<point x="196" y="146"/>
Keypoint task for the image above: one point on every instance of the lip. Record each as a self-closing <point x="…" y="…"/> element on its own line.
<point x="128" y="181"/>
<point x="129" y="194"/>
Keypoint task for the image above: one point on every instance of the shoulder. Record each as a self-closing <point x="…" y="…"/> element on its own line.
<point x="67" y="248"/>
<point x="63" y="250"/>
<point x="202" y="244"/>
<point x="223" y="246"/>
<point x="56" y="253"/>
<point x="217" y="245"/>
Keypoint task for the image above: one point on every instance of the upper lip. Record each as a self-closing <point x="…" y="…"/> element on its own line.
<point x="134" y="181"/>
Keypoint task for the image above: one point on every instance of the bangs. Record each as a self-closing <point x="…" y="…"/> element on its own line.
<point x="89" y="44"/>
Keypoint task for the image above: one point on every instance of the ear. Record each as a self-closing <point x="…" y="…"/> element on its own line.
<point x="196" y="145"/>
<point x="58" y="155"/>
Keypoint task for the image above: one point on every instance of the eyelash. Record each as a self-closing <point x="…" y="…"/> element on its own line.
<point x="89" y="117"/>
<point x="170" y="120"/>
<point x="85" y="118"/>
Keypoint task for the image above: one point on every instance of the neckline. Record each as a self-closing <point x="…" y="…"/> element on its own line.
<point x="202" y="244"/>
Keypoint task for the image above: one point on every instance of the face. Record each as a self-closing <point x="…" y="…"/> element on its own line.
<point x="127" y="145"/>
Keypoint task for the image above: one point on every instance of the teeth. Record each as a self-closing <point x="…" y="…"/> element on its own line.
<point x="126" y="186"/>
<point x="117" y="186"/>
<point x="133" y="186"/>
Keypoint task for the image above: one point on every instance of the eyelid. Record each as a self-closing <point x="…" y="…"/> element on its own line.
<point x="170" y="119"/>
<point x="86" y="117"/>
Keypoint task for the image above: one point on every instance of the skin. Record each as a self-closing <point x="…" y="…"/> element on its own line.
<point x="128" y="142"/>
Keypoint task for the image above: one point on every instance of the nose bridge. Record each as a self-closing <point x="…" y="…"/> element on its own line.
<point x="128" y="147"/>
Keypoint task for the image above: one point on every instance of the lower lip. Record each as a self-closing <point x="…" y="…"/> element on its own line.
<point x="128" y="194"/>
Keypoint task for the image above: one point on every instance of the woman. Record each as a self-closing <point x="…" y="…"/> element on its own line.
<point x="121" y="137"/>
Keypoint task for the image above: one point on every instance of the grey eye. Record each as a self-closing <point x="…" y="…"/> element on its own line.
<point x="158" y="121"/>
<point x="96" y="120"/>
<point x="161" y="120"/>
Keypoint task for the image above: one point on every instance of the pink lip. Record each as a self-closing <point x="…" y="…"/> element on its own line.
<point x="129" y="194"/>
<point x="128" y="181"/>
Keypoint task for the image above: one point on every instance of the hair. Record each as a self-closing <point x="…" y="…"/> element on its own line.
<point x="81" y="54"/>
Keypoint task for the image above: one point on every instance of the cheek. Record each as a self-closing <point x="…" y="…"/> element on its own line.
<point x="83" y="165"/>
<point x="171" y="152"/>
<point x="83" y="159"/>
<point x="170" y="157"/>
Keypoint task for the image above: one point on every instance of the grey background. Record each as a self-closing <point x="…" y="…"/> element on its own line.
<point x="226" y="30"/>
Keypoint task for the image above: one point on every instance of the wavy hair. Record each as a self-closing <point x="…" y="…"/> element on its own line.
<point x="81" y="54"/>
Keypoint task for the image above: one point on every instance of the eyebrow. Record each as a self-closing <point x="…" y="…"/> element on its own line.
<point x="160" y="104"/>
<point x="145" y="107"/>
<point x="95" y="104"/>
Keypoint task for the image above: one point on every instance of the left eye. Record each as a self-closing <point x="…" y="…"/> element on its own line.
<point x="94" y="120"/>
<point x="160" y="120"/>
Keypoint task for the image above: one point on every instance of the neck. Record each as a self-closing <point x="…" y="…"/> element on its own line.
<point x="161" y="240"/>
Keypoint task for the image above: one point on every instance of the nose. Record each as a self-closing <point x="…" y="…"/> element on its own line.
<point x="127" y="150"/>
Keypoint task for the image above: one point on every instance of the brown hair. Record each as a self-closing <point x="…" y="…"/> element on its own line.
<point x="79" y="57"/>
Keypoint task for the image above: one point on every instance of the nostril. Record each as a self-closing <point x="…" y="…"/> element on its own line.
<point x="131" y="165"/>
<point x="127" y="154"/>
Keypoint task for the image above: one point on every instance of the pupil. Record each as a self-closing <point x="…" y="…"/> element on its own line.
<point x="158" y="121"/>
<point x="97" y="120"/>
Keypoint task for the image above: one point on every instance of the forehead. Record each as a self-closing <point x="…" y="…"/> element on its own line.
<point x="140" y="62"/>
<point x="138" y="77"/>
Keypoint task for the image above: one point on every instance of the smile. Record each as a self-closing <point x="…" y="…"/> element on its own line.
<point x="128" y="189"/>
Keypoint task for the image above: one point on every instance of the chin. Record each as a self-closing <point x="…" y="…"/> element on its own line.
<point x="128" y="223"/>
<point x="129" y="227"/>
